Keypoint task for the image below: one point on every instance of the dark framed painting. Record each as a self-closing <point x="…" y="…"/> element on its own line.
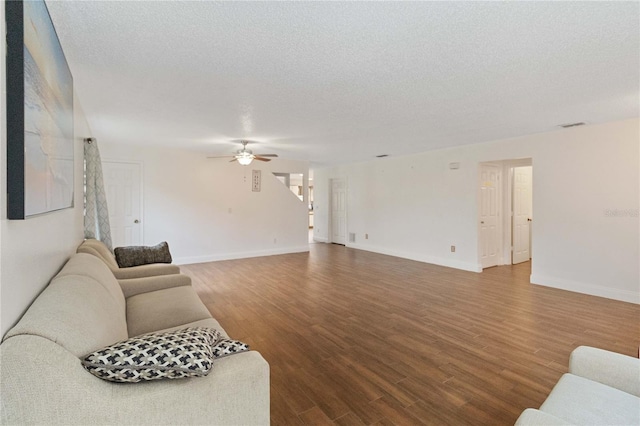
<point x="40" y="139"/>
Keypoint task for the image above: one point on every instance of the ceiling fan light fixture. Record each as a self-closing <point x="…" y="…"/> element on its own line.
<point x="244" y="158"/>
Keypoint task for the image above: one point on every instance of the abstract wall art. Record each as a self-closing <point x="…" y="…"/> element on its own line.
<point x="40" y="139"/>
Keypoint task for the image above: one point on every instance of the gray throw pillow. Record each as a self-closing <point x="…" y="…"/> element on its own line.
<point x="142" y="255"/>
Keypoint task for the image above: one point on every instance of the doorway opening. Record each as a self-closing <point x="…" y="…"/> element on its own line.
<point x="505" y="212"/>
<point x="521" y="213"/>
<point x="293" y="181"/>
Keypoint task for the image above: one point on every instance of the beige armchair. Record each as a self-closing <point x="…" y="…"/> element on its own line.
<point x="601" y="388"/>
<point x="98" y="249"/>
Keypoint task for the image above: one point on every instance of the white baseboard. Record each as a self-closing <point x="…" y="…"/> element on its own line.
<point x="456" y="264"/>
<point x="320" y="239"/>
<point x="239" y="255"/>
<point x="591" y="289"/>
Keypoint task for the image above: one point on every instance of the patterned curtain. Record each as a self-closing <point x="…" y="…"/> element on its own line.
<point x="96" y="213"/>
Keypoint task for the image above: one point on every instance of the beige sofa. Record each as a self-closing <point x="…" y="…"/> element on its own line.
<point x="98" y="249"/>
<point x="84" y="309"/>
<point x="601" y="388"/>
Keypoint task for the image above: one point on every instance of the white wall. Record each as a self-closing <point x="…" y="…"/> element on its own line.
<point x="33" y="250"/>
<point x="416" y="207"/>
<point x="205" y="208"/>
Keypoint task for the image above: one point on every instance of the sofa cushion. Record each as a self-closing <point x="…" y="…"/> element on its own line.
<point x="178" y="354"/>
<point x="142" y="255"/>
<point x="98" y="249"/>
<point x="208" y="322"/>
<point x="583" y="401"/>
<point x="88" y="266"/>
<point x="157" y="310"/>
<point x="134" y="286"/>
<point x="77" y="310"/>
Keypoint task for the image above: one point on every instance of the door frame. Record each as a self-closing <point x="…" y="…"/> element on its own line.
<point x="141" y="165"/>
<point x="346" y="221"/>
<point x="506" y="207"/>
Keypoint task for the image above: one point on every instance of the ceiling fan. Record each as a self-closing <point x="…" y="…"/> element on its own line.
<point x="245" y="156"/>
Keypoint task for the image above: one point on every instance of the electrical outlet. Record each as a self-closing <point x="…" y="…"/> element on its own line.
<point x="366" y="236"/>
<point x="453" y="249"/>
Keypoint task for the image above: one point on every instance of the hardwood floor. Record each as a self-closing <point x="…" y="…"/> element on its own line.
<point x="355" y="338"/>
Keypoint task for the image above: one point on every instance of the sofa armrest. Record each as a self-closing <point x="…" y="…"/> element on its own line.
<point x="135" y="286"/>
<point x="609" y="368"/>
<point x="236" y="392"/>
<point x="533" y="417"/>
<point x="42" y="383"/>
<point x="142" y="271"/>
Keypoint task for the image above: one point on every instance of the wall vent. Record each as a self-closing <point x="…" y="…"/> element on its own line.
<point x="352" y="237"/>
<point x="566" y="126"/>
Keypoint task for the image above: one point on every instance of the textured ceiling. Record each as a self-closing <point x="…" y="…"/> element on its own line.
<point x="336" y="82"/>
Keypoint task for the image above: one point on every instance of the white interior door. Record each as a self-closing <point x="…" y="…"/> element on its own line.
<point x="123" y="184"/>
<point x="522" y="213"/>
<point x="490" y="242"/>
<point x="338" y="211"/>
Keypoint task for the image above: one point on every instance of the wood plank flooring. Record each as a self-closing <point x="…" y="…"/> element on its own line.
<point x="356" y="338"/>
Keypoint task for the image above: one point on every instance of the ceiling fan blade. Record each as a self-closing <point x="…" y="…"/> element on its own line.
<point x="234" y="159"/>
<point x="260" y="158"/>
<point x="268" y="155"/>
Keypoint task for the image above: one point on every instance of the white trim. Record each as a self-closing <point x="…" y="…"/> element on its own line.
<point x="239" y="255"/>
<point x="505" y="205"/>
<point x="456" y="264"/>
<point x="320" y="239"/>
<point x="591" y="289"/>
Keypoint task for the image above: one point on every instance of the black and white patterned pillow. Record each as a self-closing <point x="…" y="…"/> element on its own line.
<point x="226" y="347"/>
<point x="172" y="355"/>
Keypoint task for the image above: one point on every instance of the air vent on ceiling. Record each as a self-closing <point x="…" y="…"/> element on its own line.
<point x="566" y="126"/>
<point x="382" y="155"/>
